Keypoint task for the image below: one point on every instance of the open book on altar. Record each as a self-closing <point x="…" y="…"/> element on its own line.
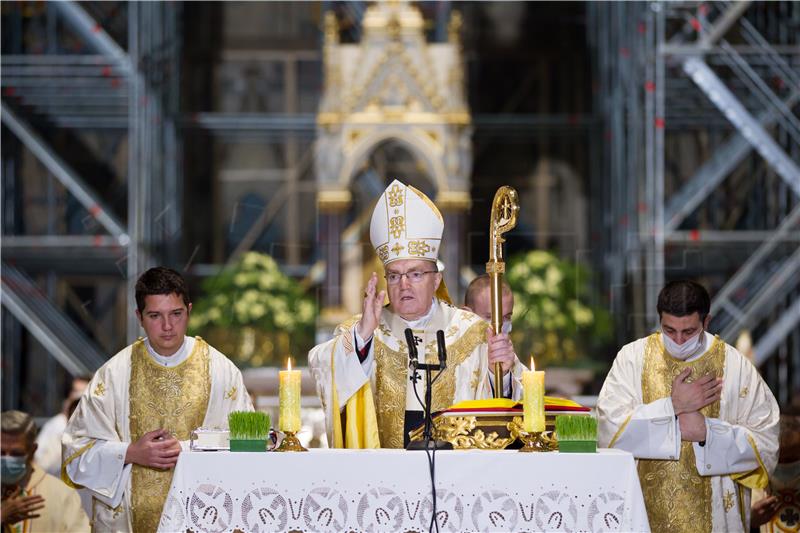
<point x="487" y="424"/>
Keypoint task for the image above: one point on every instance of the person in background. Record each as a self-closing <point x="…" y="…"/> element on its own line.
<point x="478" y="299"/>
<point x="48" y="442"/>
<point x="33" y="500"/>
<point x="777" y="509"/>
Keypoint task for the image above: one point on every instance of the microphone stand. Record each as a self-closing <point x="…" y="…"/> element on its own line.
<point x="427" y="442"/>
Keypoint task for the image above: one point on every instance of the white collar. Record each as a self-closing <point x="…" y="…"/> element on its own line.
<point x="422" y="321"/>
<point x="175" y="359"/>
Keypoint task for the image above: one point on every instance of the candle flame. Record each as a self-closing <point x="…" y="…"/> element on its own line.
<point x="289" y="364"/>
<point x="533" y="368"/>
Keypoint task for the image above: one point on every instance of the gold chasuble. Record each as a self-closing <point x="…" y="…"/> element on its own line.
<point x="175" y="399"/>
<point x="676" y="496"/>
<point x="392" y="375"/>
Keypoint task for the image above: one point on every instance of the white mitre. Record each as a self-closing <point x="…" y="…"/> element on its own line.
<point x="405" y="225"/>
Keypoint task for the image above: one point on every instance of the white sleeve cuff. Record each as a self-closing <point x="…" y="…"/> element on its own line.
<point x="103" y="471"/>
<point x="652" y="432"/>
<point x="727" y="450"/>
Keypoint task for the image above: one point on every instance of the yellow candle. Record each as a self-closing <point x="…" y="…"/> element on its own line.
<point x="533" y="400"/>
<point x="289" y="394"/>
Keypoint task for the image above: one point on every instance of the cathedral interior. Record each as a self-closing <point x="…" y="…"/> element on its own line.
<point x="648" y="141"/>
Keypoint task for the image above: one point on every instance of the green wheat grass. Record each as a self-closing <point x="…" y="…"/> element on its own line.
<point x="576" y="427"/>
<point x="244" y="425"/>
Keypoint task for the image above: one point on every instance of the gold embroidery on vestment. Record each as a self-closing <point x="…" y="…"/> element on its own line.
<point x="64" y="476"/>
<point x="676" y="496"/>
<point x="175" y="399"/>
<point x="727" y="501"/>
<point x="619" y="432"/>
<point x="100" y="389"/>
<point x="392" y="373"/>
<point x="476" y="379"/>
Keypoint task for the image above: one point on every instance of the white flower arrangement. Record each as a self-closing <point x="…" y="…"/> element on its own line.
<point x="554" y="319"/>
<point x="253" y="298"/>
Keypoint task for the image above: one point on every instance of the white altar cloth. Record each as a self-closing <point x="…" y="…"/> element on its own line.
<point x="389" y="490"/>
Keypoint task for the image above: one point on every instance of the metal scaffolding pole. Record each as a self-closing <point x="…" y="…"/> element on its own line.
<point x="782" y="281"/>
<point x="788" y="226"/>
<point x="724" y="23"/>
<point x="155" y="186"/>
<point x="92" y="32"/>
<point x="756" y="87"/>
<point x="137" y="176"/>
<point x="769" y="341"/>
<point x="60" y="337"/>
<point x="715" y="170"/>
<point x="69" y="178"/>
<point x="655" y="273"/>
<point x="748" y="126"/>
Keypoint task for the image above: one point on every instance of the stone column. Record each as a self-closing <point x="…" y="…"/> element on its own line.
<point x="332" y="206"/>
<point x="454" y="206"/>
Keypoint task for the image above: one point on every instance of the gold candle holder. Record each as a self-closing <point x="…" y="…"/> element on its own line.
<point x="290" y="443"/>
<point x="537" y="441"/>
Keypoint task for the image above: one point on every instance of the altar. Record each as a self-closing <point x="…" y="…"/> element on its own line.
<point x="390" y="490"/>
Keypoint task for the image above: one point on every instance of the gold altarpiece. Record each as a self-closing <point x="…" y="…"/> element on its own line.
<point x="395" y="86"/>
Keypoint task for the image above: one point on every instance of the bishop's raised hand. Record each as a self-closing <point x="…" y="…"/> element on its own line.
<point x="371" y="310"/>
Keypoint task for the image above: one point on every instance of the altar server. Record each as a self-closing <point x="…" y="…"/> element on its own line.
<point x="141" y="406"/>
<point x="697" y="416"/>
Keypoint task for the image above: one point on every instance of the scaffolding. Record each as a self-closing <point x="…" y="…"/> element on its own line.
<point x="689" y="124"/>
<point x="712" y="89"/>
<point x="86" y="109"/>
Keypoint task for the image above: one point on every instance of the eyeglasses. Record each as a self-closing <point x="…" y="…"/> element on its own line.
<point x="415" y="276"/>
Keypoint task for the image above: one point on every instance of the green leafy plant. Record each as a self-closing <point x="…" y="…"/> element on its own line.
<point x="246" y="425"/>
<point x="555" y="319"/>
<point x="576" y="427"/>
<point x="254" y="313"/>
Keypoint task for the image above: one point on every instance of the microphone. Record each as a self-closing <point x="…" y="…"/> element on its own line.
<point x="442" y="350"/>
<point x="412" y="348"/>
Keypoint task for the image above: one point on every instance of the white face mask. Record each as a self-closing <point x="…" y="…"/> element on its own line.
<point x="685" y="350"/>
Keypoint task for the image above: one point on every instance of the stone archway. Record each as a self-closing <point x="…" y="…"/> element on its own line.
<point x="377" y="137"/>
<point x="392" y="86"/>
